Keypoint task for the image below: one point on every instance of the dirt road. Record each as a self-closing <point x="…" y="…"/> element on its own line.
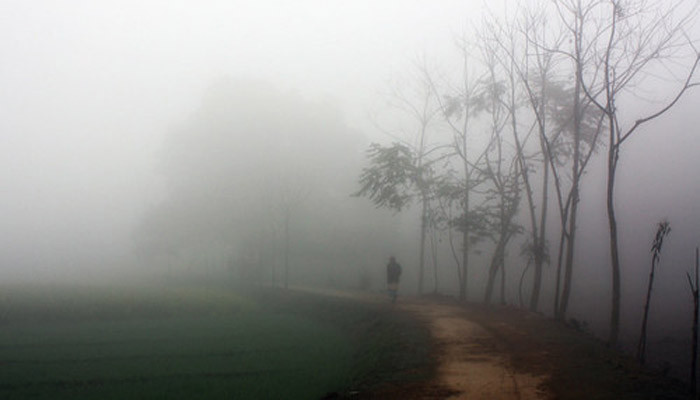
<point x="470" y="366"/>
<point x="503" y="352"/>
<point x="470" y="363"/>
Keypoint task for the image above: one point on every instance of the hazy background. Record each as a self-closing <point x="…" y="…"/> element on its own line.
<point x="90" y="92"/>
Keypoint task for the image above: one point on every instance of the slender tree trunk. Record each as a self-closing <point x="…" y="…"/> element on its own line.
<point x="434" y="256"/>
<point x="560" y="265"/>
<point x="661" y="232"/>
<point x="573" y="207"/>
<point x="614" y="255"/>
<point x="642" y="345"/>
<point x="496" y="264"/>
<point x="498" y="257"/>
<point x="570" y="247"/>
<point x="423" y="231"/>
<point x="539" y="245"/>
<point x="503" y="278"/>
<point x="696" y="303"/>
<point x="463" y="290"/>
<point x="530" y="202"/>
<point x="537" y="281"/>
<point x="520" y="283"/>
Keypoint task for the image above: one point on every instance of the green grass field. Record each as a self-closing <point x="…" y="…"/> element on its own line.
<point x="111" y="343"/>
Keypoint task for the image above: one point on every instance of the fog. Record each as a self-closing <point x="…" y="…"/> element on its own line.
<point x="90" y="92"/>
<point x="118" y="159"/>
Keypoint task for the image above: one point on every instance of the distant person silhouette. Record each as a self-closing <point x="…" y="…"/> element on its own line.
<point x="393" y="272"/>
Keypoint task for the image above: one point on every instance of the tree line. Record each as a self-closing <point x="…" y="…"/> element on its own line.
<point x="489" y="149"/>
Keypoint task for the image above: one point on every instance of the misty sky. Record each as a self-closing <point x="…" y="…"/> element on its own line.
<point x="89" y="89"/>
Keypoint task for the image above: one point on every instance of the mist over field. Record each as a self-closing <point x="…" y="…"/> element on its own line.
<point x="223" y="142"/>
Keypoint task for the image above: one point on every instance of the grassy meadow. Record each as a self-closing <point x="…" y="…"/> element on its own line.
<point x="183" y="343"/>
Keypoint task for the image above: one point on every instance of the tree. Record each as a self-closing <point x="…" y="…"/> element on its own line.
<point x="243" y="166"/>
<point x="626" y="39"/>
<point x="662" y="230"/>
<point x="459" y="106"/>
<point x="573" y="140"/>
<point x="500" y="170"/>
<point x="519" y="45"/>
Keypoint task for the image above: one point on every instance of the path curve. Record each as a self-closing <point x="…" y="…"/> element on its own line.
<point x="469" y="363"/>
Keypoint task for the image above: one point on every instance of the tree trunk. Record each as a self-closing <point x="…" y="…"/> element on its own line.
<point x="614" y="256"/>
<point x="463" y="290"/>
<point x="696" y="303"/>
<point x="557" y="288"/>
<point x="642" y="345"/>
<point x="569" y="263"/>
<point x="573" y="208"/>
<point x="540" y="245"/>
<point x="537" y="281"/>
<point x="663" y="230"/>
<point x="496" y="264"/>
<point x="434" y="256"/>
<point x="503" y="279"/>
<point x="421" y="256"/>
<point x="531" y="209"/>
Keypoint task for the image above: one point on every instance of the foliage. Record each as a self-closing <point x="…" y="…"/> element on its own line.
<point x="560" y="109"/>
<point x="391" y="177"/>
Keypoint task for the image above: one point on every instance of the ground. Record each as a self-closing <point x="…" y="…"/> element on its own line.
<point x="501" y="352"/>
<point x="212" y="342"/>
<point x="470" y="365"/>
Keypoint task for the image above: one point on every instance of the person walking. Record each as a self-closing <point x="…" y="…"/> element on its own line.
<point x="393" y="273"/>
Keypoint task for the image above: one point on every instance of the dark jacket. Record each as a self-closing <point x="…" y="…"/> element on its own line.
<point x="393" y="272"/>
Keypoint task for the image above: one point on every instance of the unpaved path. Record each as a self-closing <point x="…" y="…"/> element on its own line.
<point x="501" y="352"/>
<point x="470" y="365"/>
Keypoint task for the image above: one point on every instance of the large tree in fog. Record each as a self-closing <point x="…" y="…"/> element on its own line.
<point x="239" y="168"/>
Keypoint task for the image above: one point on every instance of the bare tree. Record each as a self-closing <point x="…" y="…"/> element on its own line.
<point x="460" y="107"/>
<point x="627" y="38"/>
<point x="499" y="167"/>
<point x="662" y="230"/>
<point x="521" y="44"/>
<point x="574" y="139"/>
